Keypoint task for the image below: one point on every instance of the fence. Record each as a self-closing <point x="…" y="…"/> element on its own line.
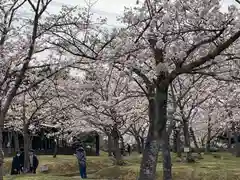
<point x="60" y="151"/>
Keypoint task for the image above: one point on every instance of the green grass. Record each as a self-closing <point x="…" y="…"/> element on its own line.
<point x="65" y="168"/>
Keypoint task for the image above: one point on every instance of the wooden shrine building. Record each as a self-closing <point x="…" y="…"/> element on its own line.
<point x="44" y="140"/>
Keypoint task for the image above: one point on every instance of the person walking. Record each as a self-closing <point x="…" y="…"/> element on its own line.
<point x="81" y="157"/>
<point x="16" y="168"/>
<point x="33" y="162"/>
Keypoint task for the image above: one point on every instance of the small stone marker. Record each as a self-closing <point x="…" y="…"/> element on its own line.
<point x="186" y="149"/>
<point x="43" y="168"/>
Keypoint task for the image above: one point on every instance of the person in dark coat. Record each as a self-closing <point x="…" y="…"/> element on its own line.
<point x="16" y="168"/>
<point x="33" y="162"/>
<point x="129" y="149"/>
<point x="81" y="157"/>
<point x="21" y="159"/>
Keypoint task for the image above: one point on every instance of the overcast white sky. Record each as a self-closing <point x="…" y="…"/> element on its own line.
<point x="110" y="8"/>
<point x="106" y="8"/>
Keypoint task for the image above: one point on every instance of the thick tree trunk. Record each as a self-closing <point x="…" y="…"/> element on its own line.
<point x="55" y="147"/>
<point x="97" y="145"/>
<point x="187" y="140"/>
<point x="122" y="149"/>
<point x="158" y="119"/>
<point x="30" y="141"/>
<point x="179" y="151"/>
<point x="236" y="141"/>
<point x="209" y="130"/>
<point x="139" y="146"/>
<point x="42" y="142"/>
<point x="150" y="157"/>
<point x="166" y="154"/>
<point x="150" y="153"/>
<point x="195" y="142"/>
<point x="16" y="141"/>
<point x="177" y="142"/>
<point x="194" y="138"/>
<point x="9" y="144"/>
<point x="1" y="148"/>
<point x="109" y="145"/>
<point x="26" y="139"/>
<point x="237" y="148"/>
<point x="229" y="139"/>
<point x="117" y="152"/>
<point x="142" y="143"/>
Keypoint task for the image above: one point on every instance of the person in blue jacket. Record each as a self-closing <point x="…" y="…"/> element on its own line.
<point x="81" y="157"/>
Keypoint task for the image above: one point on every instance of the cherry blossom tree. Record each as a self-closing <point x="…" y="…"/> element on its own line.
<point x="139" y="131"/>
<point x="16" y="56"/>
<point x="31" y="109"/>
<point x="190" y="93"/>
<point x="111" y="105"/>
<point x="25" y="45"/>
<point x="207" y="123"/>
<point x="165" y="39"/>
<point x="227" y="101"/>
